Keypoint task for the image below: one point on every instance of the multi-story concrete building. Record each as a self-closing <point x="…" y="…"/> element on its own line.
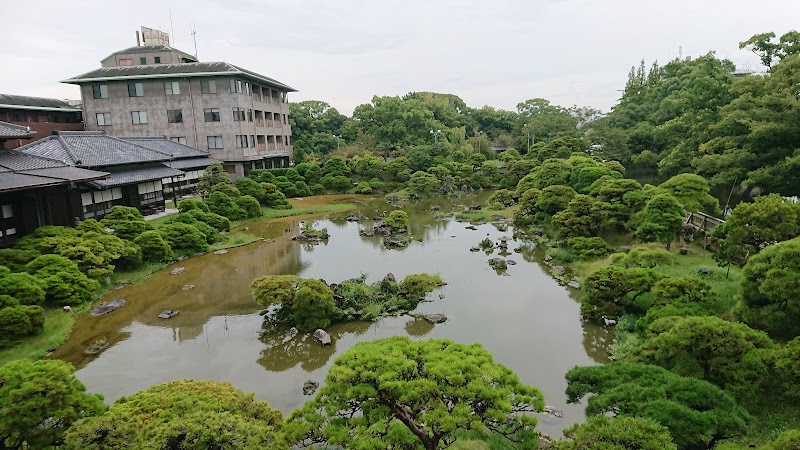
<point x="241" y="117"/>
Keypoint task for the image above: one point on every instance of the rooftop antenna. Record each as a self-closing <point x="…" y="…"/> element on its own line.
<point x="171" y="28"/>
<point x="194" y="36"/>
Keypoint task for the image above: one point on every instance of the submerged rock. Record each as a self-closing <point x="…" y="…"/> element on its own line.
<point x="435" y="318"/>
<point x="470" y="227"/>
<point x="559" y="270"/>
<point x="113" y="305"/>
<point x="553" y="411"/>
<point x="323" y="337"/>
<point x="355" y="217"/>
<point x="312" y="236"/>
<point x="309" y="387"/>
<point x="187" y="287"/>
<point x="220" y="252"/>
<point x="475" y="249"/>
<point x="574" y="284"/>
<point x="168" y="314"/>
<point x="177" y="270"/>
<point x="498" y="264"/>
<point x="486" y="243"/>
<point x="395" y="241"/>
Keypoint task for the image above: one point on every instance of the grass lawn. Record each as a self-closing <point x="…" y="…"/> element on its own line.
<point x="57" y="327"/>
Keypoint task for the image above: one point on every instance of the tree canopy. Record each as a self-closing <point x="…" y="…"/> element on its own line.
<point x="400" y="393"/>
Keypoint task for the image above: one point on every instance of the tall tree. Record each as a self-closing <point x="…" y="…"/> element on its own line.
<point x="398" y="393"/>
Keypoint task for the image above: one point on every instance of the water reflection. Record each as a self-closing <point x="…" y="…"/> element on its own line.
<point x="525" y="319"/>
<point x="286" y="347"/>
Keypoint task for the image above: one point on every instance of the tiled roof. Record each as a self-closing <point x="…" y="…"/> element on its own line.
<point x="21" y="171"/>
<point x="9" y="130"/>
<point x="191" y="163"/>
<point x="25" y="102"/>
<point x="92" y="149"/>
<point x="171" y="71"/>
<point x="167" y="146"/>
<point x="138" y="175"/>
<point x="151" y="49"/>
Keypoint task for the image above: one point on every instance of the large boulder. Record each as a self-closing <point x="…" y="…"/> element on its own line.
<point x="322" y="336"/>
<point x="435" y="318"/>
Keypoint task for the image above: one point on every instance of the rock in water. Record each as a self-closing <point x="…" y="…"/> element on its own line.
<point x="323" y="337"/>
<point x="220" y="252"/>
<point x="574" y="284"/>
<point x="498" y="264"/>
<point x="177" y="270"/>
<point x="113" y="305"/>
<point x="435" y="318"/>
<point x="559" y="270"/>
<point x="553" y="411"/>
<point x="309" y="387"/>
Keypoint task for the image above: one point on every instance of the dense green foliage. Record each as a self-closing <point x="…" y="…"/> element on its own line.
<point x="154" y="247"/>
<point x="182" y="237"/>
<point x="397" y="393"/>
<point x="127" y="222"/>
<point x="186" y="414"/>
<point x="64" y="284"/>
<point x="310" y="304"/>
<point x="696" y="412"/>
<point x="397" y="219"/>
<point x="617" y="433"/>
<point x="39" y="401"/>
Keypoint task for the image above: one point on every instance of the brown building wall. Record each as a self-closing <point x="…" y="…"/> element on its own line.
<point x="42" y="122"/>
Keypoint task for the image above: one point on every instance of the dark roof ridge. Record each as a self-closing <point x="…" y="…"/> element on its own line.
<point x="37" y="142"/>
<point x="64" y="143"/>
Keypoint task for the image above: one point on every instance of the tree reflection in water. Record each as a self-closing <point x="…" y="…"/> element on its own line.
<point x="287" y="347"/>
<point x="418" y="327"/>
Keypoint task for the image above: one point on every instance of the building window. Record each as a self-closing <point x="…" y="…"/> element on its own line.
<point x="126" y="62"/>
<point x="135" y="90"/>
<point x="138" y="117"/>
<point x="143" y="60"/>
<point x="208" y="86"/>
<point x="157" y="59"/>
<point x="249" y="115"/>
<point x="179" y="140"/>
<point x="172" y="87"/>
<point x="236" y="86"/>
<point x="238" y="114"/>
<point x="241" y="141"/>
<point x="247" y="88"/>
<point x="214" y="142"/>
<point x="103" y="119"/>
<point x="211" y="114"/>
<point x="252" y="141"/>
<point x="100" y="91"/>
<point x="175" y="115"/>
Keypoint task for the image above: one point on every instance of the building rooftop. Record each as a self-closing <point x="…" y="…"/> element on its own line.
<point x="22" y="171"/>
<point x="151" y="49"/>
<point x="35" y="103"/>
<point x="91" y="149"/>
<point x="11" y="131"/>
<point x="138" y="175"/>
<point x="196" y="69"/>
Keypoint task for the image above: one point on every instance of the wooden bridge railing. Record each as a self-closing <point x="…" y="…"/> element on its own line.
<point x="702" y="222"/>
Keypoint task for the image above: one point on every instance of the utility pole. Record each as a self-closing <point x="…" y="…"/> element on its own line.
<point x="338" y="138"/>
<point x="435" y="136"/>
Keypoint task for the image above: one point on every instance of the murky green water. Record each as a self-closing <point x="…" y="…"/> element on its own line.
<point x="525" y="319"/>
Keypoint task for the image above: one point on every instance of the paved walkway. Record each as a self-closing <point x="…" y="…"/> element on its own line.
<point x="166" y="212"/>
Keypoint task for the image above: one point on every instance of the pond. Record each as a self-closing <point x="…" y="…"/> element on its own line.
<point x="523" y="317"/>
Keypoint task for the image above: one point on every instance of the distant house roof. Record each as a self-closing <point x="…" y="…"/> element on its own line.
<point x="92" y="149"/>
<point x="197" y="69"/>
<point x="35" y="103"/>
<point x="11" y="131"/>
<point x="191" y="163"/>
<point x="151" y="49"/>
<point x="22" y="171"/>
<point x="138" y="175"/>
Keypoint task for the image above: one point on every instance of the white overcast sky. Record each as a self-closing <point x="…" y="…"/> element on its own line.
<point x="494" y="52"/>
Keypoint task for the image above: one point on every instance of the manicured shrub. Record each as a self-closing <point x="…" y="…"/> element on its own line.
<point x="588" y="248"/>
<point x="154" y="247"/>
<point x="363" y="188"/>
<point x="377" y="185"/>
<point x="313" y="306"/>
<point x="220" y="223"/>
<point x="64" y="282"/>
<point x="248" y="186"/>
<point x="275" y="198"/>
<point x="212" y="176"/>
<point x="302" y="189"/>
<point x="15" y="259"/>
<point x="189" y="204"/>
<point x="318" y="189"/>
<point x="127" y="222"/>
<point x="24" y="288"/>
<point x="183" y="237"/>
<point x="418" y="285"/>
<point x="227" y="189"/>
<point x="397" y="219"/>
<point x="224" y="205"/>
<point x="338" y="183"/>
<point x="14" y="323"/>
<point x="502" y="196"/>
<point x="208" y="231"/>
<point x="250" y="205"/>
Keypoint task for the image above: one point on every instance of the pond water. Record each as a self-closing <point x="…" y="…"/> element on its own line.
<point x="525" y="319"/>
